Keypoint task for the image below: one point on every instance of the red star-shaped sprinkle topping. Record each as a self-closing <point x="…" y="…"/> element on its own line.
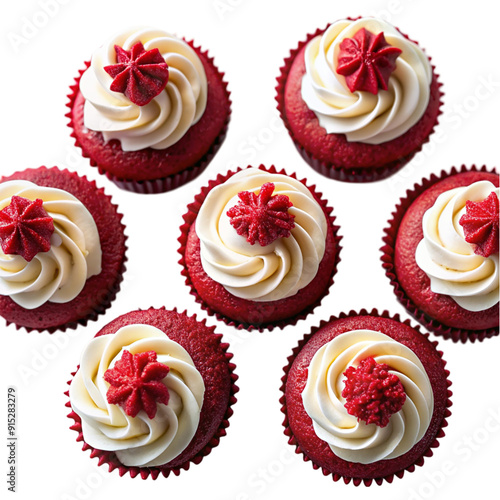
<point x="136" y="383"/>
<point x="372" y="393"/>
<point x="25" y="228"/>
<point x="480" y="223"/>
<point x="367" y="61"/>
<point x="263" y="217"/>
<point x="139" y="74"/>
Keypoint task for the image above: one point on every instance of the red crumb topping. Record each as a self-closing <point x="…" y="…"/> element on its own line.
<point x="263" y="217"/>
<point x="367" y="61"/>
<point x="25" y="228"/>
<point x="139" y="74"/>
<point x="136" y="383"/>
<point x="480" y="223"/>
<point x="372" y="393"/>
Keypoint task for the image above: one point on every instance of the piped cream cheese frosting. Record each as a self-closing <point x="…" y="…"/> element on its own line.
<point x="451" y="264"/>
<point x="138" y="441"/>
<point x="167" y="117"/>
<point x="254" y="272"/>
<point x="59" y="274"/>
<point x="353" y="440"/>
<point x="361" y="115"/>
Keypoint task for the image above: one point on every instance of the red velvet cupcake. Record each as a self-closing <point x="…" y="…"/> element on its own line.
<point x="259" y="248"/>
<point x="359" y="99"/>
<point x="153" y="393"/>
<point x="62" y="250"/>
<point x="150" y="110"/>
<point x="441" y="253"/>
<point x="365" y="397"/>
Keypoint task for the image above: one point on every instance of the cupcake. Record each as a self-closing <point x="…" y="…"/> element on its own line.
<point x="150" y="110"/>
<point x="359" y="99"/>
<point x="259" y="248"/>
<point x="153" y="393"/>
<point x="441" y="253"/>
<point x="62" y="252"/>
<point x="365" y="397"/>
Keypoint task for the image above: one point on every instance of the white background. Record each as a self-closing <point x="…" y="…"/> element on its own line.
<point x="41" y="54"/>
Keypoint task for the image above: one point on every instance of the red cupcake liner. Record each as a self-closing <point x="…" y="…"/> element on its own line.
<point x="431" y="324"/>
<point x="109" y="458"/>
<point x="356" y="480"/>
<point x="162" y="184"/>
<point x="329" y="169"/>
<point x="109" y="295"/>
<point x="190" y="217"/>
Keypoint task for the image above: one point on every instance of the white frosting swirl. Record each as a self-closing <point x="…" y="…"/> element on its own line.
<point x="362" y="116"/>
<point x="453" y="268"/>
<point x="58" y="275"/>
<point x="357" y="441"/>
<point x="138" y="441"/>
<point x="164" y="120"/>
<point x="255" y="272"/>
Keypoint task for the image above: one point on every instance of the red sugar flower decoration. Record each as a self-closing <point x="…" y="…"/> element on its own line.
<point x="372" y="393"/>
<point x="263" y="217"/>
<point x="367" y="61"/>
<point x="139" y="74"/>
<point x="25" y="228"/>
<point x="136" y="383"/>
<point x="480" y="223"/>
